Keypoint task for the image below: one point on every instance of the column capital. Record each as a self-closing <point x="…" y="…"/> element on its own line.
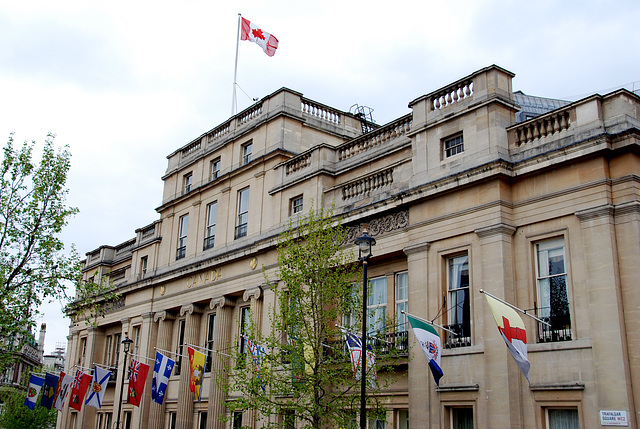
<point x="497" y="229"/>
<point x="163" y="315"/>
<point x="253" y="293"/>
<point x="222" y="301"/>
<point x="417" y="248"/>
<point x="593" y="213"/>
<point x="147" y="315"/>
<point x="191" y="309"/>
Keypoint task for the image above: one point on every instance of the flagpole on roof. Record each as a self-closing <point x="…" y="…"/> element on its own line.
<point x="429" y="322"/>
<point x="514" y="307"/>
<point x="234" y="101"/>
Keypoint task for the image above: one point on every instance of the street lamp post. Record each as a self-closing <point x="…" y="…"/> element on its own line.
<point x="126" y="344"/>
<point x="364" y="243"/>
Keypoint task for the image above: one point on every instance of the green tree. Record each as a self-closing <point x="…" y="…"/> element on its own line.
<point x="33" y="264"/>
<point x="305" y="374"/>
<point x="15" y="415"/>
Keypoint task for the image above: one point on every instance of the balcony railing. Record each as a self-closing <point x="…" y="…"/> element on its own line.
<point x="462" y="337"/>
<point x="208" y="242"/>
<point x="560" y="321"/>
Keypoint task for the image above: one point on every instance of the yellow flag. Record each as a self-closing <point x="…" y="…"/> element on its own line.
<point x="197" y="362"/>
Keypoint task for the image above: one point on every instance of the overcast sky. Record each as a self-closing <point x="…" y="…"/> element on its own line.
<point x="125" y="83"/>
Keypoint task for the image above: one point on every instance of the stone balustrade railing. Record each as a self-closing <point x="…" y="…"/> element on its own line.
<point x="148" y="232"/>
<point x="452" y="94"/>
<point x="298" y="163"/>
<point x="320" y="111"/>
<point x="219" y="131"/>
<point x="250" y="114"/>
<point x="368" y="184"/>
<point x="191" y="148"/>
<point x="540" y="127"/>
<point x="125" y="247"/>
<point x="368" y="141"/>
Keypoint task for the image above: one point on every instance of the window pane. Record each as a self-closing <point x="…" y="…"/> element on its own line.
<point x="563" y="419"/>
<point x="553" y="298"/>
<point x="377" y="304"/>
<point x="462" y="418"/>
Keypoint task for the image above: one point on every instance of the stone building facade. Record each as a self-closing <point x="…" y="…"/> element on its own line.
<point x="544" y="213"/>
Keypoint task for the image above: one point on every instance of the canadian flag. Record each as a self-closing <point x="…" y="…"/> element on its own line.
<point x="253" y="33"/>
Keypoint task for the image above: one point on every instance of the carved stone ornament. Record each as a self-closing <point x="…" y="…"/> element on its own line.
<point x="252" y="293"/>
<point x="379" y="226"/>
<point x="221" y="301"/>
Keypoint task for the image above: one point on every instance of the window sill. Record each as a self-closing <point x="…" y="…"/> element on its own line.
<point x="560" y="345"/>
<point x="470" y="350"/>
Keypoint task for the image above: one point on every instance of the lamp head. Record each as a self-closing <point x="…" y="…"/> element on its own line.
<point x="126" y="343"/>
<point x="364" y="243"/>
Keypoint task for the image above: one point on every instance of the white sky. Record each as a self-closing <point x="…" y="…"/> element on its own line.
<point x="125" y="83"/>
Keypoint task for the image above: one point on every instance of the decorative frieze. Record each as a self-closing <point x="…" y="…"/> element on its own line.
<point x="379" y="226"/>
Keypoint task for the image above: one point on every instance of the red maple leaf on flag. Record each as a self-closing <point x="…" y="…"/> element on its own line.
<point x="257" y="33"/>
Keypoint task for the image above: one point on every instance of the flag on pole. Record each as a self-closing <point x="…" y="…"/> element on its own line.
<point x="197" y="362"/>
<point x="49" y="390"/>
<point x="78" y="389"/>
<point x="161" y="373"/>
<point x="513" y="332"/>
<point x="431" y="346"/>
<point x="137" y="377"/>
<point x="98" y="386"/>
<point x="253" y="33"/>
<point x="355" y="350"/>
<point x="35" y="384"/>
<point x="257" y="351"/>
<point x="62" y="390"/>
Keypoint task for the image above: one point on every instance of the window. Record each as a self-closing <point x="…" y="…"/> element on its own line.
<point x="173" y="417"/>
<point x="562" y="418"/>
<point x="180" y="347"/>
<point x="144" y="261"/>
<point x="461" y="417"/>
<point x="210" y="232"/>
<point x="203" y="420"/>
<point x="350" y="320"/>
<point x="116" y="356"/>
<point x="403" y="419"/>
<point x="243" y="213"/>
<point x="127" y="420"/>
<point x="377" y="305"/>
<point x="377" y="424"/>
<point x="187" y="181"/>
<point x="215" y="168"/>
<point x="458" y="305"/>
<point x="296" y="205"/>
<point x="237" y="420"/>
<point x="247" y="149"/>
<point x="83" y="351"/>
<point x="553" y="301"/>
<point x="136" y="340"/>
<point x="289" y="420"/>
<point x="182" y="236"/>
<point x="402" y="304"/>
<point x="245" y="320"/>
<point x="211" y="326"/>
<point x="453" y="145"/>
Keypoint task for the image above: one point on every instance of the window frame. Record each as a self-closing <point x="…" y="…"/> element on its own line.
<point x="377" y="322"/>
<point x="246" y="152"/>
<point x="144" y="265"/>
<point x="296" y="205"/>
<point x="179" y="347"/>
<point x="242" y="219"/>
<point x="210" y="227"/>
<point x="187" y="183"/>
<point x="461" y="328"/>
<point x="452" y="145"/>
<point x="211" y="331"/>
<point x="243" y="326"/>
<point x="553" y="333"/>
<point x="183" y="231"/>
<point x="214" y="168"/>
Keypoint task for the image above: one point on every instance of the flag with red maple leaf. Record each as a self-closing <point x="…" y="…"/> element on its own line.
<point x="253" y="33"/>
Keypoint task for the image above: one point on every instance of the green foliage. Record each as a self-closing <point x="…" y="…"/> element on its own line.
<point x="305" y="371"/>
<point x="33" y="213"/>
<point x="15" y="415"/>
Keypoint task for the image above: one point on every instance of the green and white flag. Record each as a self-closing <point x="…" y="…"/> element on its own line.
<point x="431" y="346"/>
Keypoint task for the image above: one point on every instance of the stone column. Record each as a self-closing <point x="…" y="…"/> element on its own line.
<point x="122" y="366"/>
<point x="185" y="397"/>
<point x="501" y="406"/>
<point x="604" y="300"/>
<point x="73" y="341"/>
<point x="165" y="328"/>
<point x="420" y="383"/>
<point x="146" y="349"/>
<point x="221" y="340"/>
<point x="256" y="316"/>
<point x="87" y="414"/>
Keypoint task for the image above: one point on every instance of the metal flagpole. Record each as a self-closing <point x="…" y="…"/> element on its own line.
<point x="514" y="307"/>
<point x="429" y="322"/>
<point x="235" y="71"/>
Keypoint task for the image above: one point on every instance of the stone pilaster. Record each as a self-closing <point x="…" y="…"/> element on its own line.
<point x="256" y="316"/>
<point x="165" y="328"/>
<point x="146" y="349"/>
<point x="222" y="338"/>
<point x="185" y="397"/>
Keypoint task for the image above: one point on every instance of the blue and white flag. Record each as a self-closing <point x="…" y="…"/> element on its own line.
<point x="355" y="350"/>
<point x="161" y="373"/>
<point x="430" y="342"/>
<point x="35" y="384"/>
<point x="98" y="386"/>
<point x="257" y="351"/>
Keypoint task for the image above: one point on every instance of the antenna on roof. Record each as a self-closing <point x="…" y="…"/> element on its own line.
<point x="364" y="114"/>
